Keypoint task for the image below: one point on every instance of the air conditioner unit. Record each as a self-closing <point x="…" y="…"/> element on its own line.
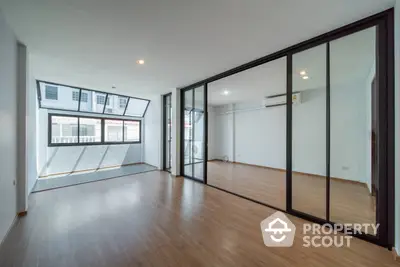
<point x="279" y="100"/>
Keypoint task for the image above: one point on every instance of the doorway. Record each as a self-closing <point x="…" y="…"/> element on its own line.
<point x="193" y="143"/>
<point x="167" y="129"/>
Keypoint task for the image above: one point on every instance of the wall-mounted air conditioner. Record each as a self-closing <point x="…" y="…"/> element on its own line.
<point x="280" y="100"/>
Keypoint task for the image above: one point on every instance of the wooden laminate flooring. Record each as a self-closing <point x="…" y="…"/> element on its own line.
<point x="154" y="219"/>
<point x="349" y="202"/>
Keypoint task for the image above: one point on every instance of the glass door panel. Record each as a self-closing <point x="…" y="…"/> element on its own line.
<point x="194" y="133"/>
<point x="309" y="167"/>
<point x="353" y="148"/>
<point x="167" y="132"/>
<point x="198" y="134"/>
<point x="188" y="133"/>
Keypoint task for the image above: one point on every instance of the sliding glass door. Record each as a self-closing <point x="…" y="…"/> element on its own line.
<point x="308" y="130"/>
<point x="167" y="127"/>
<point x="339" y="163"/>
<point x="309" y="167"/>
<point x="194" y="133"/>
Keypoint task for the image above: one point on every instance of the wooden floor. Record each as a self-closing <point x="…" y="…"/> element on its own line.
<point x="152" y="219"/>
<point x="350" y="202"/>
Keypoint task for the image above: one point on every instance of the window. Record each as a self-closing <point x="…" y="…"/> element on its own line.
<point x="101" y="99"/>
<point x="58" y="97"/>
<point x="113" y="131"/>
<point x="122" y="103"/>
<point x="131" y="131"/>
<point x="92" y="101"/>
<point x="117" y="106"/>
<point x="75" y="96"/>
<point x="66" y="130"/>
<point x="89" y="130"/>
<point x="64" y="97"/>
<point x="51" y="92"/>
<point x="136" y="107"/>
<point x="84" y="97"/>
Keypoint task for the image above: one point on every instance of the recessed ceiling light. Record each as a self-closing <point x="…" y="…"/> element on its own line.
<point x="305" y="77"/>
<point x="303" y="72"/>
<point x="225" y="92"/>
<point x="140" y="62"/>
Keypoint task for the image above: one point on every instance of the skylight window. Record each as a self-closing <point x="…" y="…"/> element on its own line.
<point x="64" y="97"/>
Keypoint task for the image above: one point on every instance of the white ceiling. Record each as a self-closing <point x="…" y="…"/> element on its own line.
<point x="351" y="61"/>
<point x="95" y="43"/>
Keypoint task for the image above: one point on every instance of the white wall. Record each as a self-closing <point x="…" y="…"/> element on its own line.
<point x="53" y="160"/>
<point x="175" y="132"/>
<point x="31" y="117"/>
<point x="349" y="135"/>
<point x="8" y="132"/>
<point x="153" y="133"/>
<point x="259" y="136"/>
<point x="222" y="135"/>
<point x="397" y="125"/>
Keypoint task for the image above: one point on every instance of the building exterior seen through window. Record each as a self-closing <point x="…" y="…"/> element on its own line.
<point x="51" y="92"/>
<point x="63" y="97"/>
<point x="70" y="130"/>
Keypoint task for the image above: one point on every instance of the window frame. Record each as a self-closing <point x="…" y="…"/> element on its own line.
<point x="102" y="137"/>
<point x="39" y="96"/>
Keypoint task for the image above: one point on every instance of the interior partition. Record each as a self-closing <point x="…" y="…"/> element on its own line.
<point x="247" y="133"/>
<point x="307" y="130"/>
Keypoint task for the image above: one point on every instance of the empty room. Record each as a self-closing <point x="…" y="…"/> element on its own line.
<point x="199" y="133"/>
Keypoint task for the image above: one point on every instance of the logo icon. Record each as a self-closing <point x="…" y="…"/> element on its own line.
<point x="278" y="231"/>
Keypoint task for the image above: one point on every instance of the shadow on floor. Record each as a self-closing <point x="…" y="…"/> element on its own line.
<point x="92" y="176"/>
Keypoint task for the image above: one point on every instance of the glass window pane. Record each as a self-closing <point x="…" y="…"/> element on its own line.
<point x="131" y="131"/>
<point x="92" y="101"/>
<point x="136" y="107"/>
<point x="59" y="97"/>
<point x="89" y="130"/>
<point x="113" y="130"/>
<point x="116" y="104"/>
<point x="64" y="130"/>
<point x="309" y="132"/>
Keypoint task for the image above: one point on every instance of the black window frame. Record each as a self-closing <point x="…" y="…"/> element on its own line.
<point x="102" y="138"/>
<point x="81" y="89"/>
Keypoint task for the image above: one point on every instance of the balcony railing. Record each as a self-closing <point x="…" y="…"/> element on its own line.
<point x="73" y="139"/>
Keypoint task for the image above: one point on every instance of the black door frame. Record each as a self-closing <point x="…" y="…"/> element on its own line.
<point x="385" y="79"/>
<point x="164" y="118"/>
<point x="205" y="135"/>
